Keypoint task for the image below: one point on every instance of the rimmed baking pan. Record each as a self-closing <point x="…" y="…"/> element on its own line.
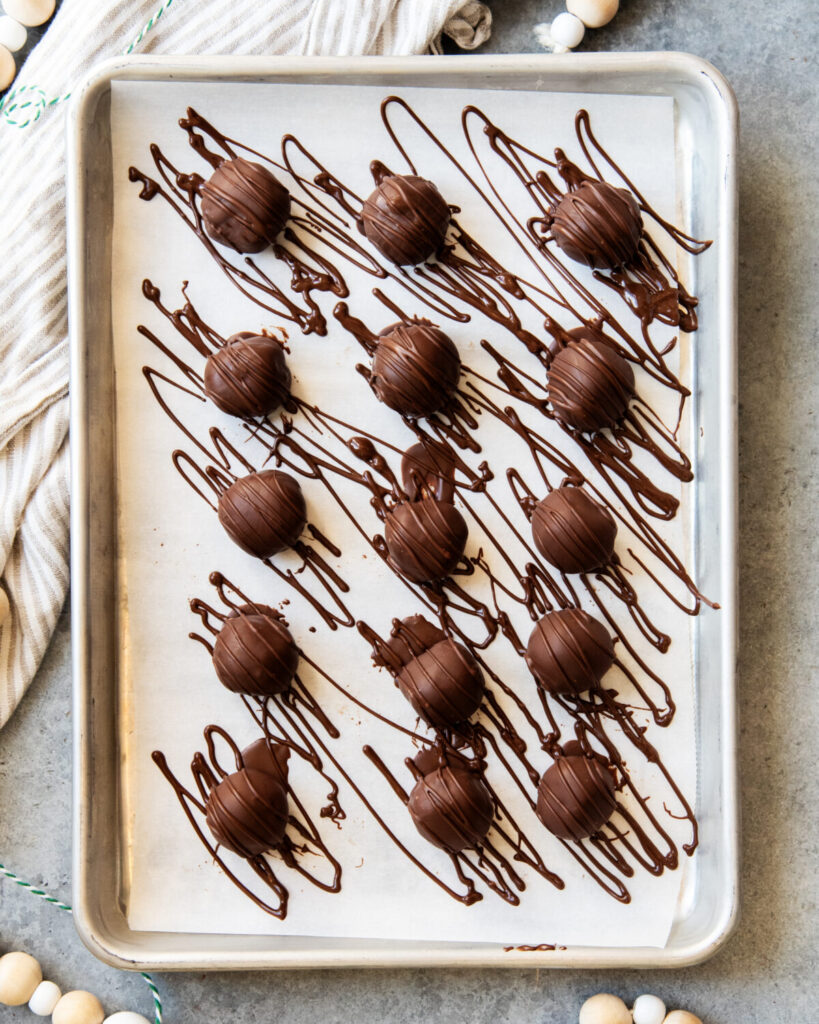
<point x="705" y="126"/>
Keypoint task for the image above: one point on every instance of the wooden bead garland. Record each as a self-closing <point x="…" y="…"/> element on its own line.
<point x="605" y="1008"/>
<point x="567" y="30"/>
<point x="21" y="981"/>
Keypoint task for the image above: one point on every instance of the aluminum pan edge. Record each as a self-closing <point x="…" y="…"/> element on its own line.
<point x="101" y="924"/>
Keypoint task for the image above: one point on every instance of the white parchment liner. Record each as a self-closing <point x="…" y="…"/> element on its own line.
<point x="170" y="540"/>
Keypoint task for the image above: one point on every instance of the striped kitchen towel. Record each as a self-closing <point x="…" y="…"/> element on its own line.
<point x="33" y="330"/>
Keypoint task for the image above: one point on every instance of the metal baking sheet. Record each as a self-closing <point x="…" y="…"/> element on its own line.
<point x="706" y="139"/>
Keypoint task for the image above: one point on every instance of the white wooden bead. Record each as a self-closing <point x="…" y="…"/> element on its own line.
<point x="567" y="30"/>
<point x="12" y="34"/>
<point x="78" y="1008"/>
<point x="126" y="1017"/>
<point x="604" y="1009"/>
<point x="593" y="13"/>
<point x="45" y="998"/>
<point x="648" y="1010"/>
<point x="681" y="1017"/>
<point x="30" y="12"/>
<point x="20" y="974"/>
<point x="8" y="69"/>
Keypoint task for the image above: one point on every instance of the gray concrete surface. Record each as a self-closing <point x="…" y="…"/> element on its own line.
<point x="767" y="973"/>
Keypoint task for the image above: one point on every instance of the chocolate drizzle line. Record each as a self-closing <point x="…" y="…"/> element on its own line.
<point x="466" y="273"/>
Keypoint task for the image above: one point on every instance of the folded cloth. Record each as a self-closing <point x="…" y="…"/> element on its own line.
<point x="33" y="331"/>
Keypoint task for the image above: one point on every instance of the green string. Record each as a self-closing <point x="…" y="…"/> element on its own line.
<point x="29" y="102"/>
<point x="149" y="981"/>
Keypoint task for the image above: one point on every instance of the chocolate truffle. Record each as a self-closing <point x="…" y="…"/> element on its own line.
<point x="572" y="531"/>
<point x="575" y="797"/>
<point x="248" y="376"/>
<point x="597" y="224"/>
<point x="243" y="206"/>
<point x="405" y="218"/>
<point x="263" y="513"/>
<point x="254" y="653"/>
<point x="569" y="651"/>
<point x="589" y="384"/>
<point x="415" y="368"/>
<point x="452" y="808"/>
<point x="428" y="471"/>
<point x="247" y="812"/>
<point x="444" y="684"/>
<point x="271" y="759"/>
<point x="425" y="539"/>
<point x="411" y="637"/>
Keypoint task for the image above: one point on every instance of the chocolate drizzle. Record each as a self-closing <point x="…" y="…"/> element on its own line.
<point x="507" y="734"/>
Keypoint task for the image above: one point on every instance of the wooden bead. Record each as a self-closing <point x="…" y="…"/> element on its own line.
<point x="30" y="12"/>
<point x="8" y="69"/>
<point x="567" y="30"/>
<point x="78" y="1008"/>
<point x="45" y="998"/>
<point x="593" y="13"/>
<point x="126" y="1017"/>
<point x="12" y="34"/>
<point x="604" y="1009"/>
<point x="20" y="974"/>
<point x="648" y="1010"/>
<point x="681" y="1017"/>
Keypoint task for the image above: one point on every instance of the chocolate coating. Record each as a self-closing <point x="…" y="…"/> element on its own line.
<point x="247" y="812"/>
<point x="572" y="531"/>
<point x="263" y="513"/>
<point x="425" y="539"/>
<point x="271" y="760"/>
<point x="452" y="808"/>
<point x="411" y="637"/>
<point x="597" y="224"/>
<point x="444" y="684"/>
<point x="569" y="651"/>
<point x="575" y="797"/>
<point x="589" y="384"/>
<point x="405" y="218"/>
<point x="415" y="368"/>
<point x="254" y="653"/>
<point x="244" y="206"/>
<point x="248" y="376"/>
<point x="428" y="471"/>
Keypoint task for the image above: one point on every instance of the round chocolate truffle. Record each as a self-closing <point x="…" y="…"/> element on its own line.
<point x="271" y="759"/>
<point x="444" y="684"/>
<point x="575" y="797"/>
<point x="405" y="218"/>
<point x="597" y="224"/>
<point x="254" y="653"/>
<point x="572" y="531"/>
<point x="411" y="637"/>
<point x="589" y="384"/>
<point x="263" y="513"/>
<point x="248" y="376"/>
<point x="452" y="808"/>
<point x="425" y="539"/>
<point x="415" y="368"/>
<point x="569" y="651"/>
<point x="243" y="206"/>
<point x="247" y="812"/>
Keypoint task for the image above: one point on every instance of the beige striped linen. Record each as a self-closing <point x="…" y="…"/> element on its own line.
<point x="33" y="330"/>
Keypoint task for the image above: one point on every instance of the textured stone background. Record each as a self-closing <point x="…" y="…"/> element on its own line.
<point x="766" y="974"/>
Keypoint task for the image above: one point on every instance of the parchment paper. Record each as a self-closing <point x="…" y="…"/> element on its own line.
<point x="170" y="541"/>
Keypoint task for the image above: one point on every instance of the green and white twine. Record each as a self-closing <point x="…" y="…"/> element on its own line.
<point x="27" y="104"/>
<point x="5" y="873"/>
